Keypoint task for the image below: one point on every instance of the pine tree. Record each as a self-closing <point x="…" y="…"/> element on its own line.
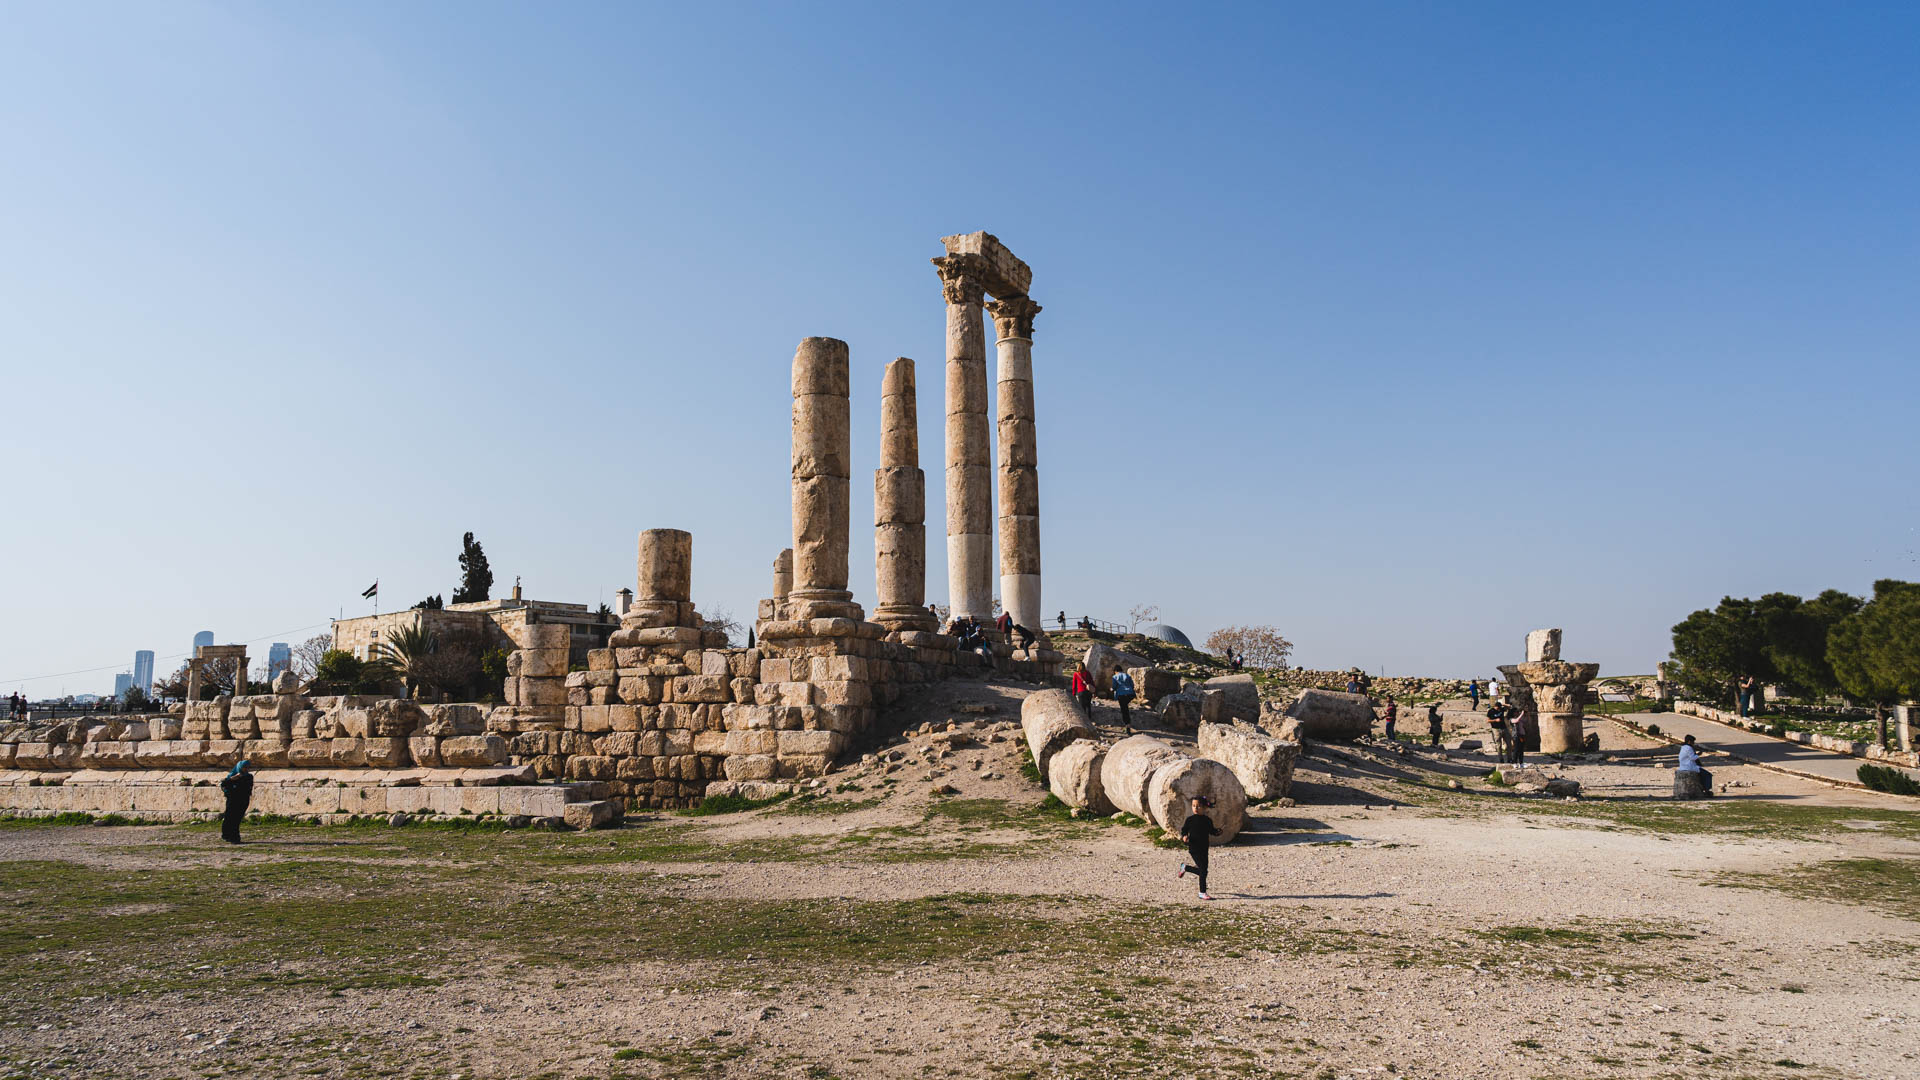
<point x="476" y="579"/>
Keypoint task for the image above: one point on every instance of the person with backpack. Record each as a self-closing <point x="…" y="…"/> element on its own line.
<point x="1123" y="694"/>
<point x="1198" y="831"/>
<point x="1082" y="690"/>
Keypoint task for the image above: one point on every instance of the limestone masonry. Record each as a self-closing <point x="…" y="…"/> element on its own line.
<point x="661" y="707"/>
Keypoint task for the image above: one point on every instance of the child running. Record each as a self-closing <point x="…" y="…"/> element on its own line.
<point x="1198" y="830"/>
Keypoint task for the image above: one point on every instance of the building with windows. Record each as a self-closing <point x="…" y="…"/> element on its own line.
<point x="121" y="684"/>
<point x="481" y="626"/>
<point x="143" y="671"/>
<point x="204" y="637"/>
<point x="279" y="659"/>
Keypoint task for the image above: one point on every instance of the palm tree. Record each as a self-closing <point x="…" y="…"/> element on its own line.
<point x="406" y="651"/>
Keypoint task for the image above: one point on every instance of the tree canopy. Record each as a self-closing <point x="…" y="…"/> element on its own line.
<point x="1875" y="651"/>
<point x="476" y="577"/>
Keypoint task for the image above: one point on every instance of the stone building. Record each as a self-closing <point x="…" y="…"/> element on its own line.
<point x="483" y="625"/>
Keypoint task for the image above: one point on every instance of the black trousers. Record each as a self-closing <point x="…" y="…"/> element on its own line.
<point x="1125" y="719"/>
<point x="1085" y="698"/>
<point x="1198" y="866"/>
<point x="230" y="821"/>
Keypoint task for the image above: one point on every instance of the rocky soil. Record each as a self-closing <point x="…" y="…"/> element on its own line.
<point x="923" y="912"/>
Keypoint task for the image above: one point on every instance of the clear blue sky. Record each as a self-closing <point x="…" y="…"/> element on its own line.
<point x="1404" y="329"/>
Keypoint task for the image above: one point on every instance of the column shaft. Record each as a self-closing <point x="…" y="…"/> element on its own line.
<point x="663" y="580"/>
<point x="821" y="452"/>
<point x="900" y="508"/>
<point x="968" y="441"/>
<point x="1019" y="462"/>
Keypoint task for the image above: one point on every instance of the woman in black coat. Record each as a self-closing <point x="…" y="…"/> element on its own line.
<point x="238" y="788"/>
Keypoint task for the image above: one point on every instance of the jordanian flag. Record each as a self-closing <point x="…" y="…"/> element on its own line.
<point x="373" y="590"/>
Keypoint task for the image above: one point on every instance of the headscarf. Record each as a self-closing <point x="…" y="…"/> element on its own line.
<point x="239" y="765"/>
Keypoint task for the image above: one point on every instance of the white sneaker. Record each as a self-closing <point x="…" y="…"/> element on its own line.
<point x="1205" y="896"/>
<point x="1183" y="871"/>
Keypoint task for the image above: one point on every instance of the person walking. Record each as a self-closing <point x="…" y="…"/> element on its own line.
<point x="1123" y="694"/>
<point x="1082" y="690"/>
<point x="1433" y="722"/>
<point x="1004" y="624"/>
<point x="1392" y="715"/>
<point x="1748" y="706"/>
<point x="1198" y="831"/>
<point x="238" y="788"/>
<point x="1473" y="692"/>
<point x="1690" y="762"/>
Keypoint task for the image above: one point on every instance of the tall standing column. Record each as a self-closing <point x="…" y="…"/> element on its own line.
<point x="969" y="439"/>
<point x="900" y="508"/>
<point x="821" y="451"/>
<point x="1019" y="462"/>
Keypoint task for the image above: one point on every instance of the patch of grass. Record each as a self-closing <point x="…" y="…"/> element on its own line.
<point x="1528" y="934"/>
<point x="730" y="804"/>
<point x="1890" y="885"/>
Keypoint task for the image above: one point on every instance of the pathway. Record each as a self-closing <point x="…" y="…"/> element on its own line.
<point x="1793" y="757"/>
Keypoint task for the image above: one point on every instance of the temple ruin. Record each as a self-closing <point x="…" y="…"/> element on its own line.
<point x="666" y="707"/>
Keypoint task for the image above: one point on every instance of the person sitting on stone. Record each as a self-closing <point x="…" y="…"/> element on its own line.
<point x="1690" y="762"/>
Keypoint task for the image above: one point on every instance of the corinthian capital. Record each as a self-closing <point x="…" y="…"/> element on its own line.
<point x="1013" y="317"/>
<point x="962" y="278"/>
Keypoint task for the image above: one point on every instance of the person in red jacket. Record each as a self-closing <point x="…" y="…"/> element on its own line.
<point x="1083" y="690"/>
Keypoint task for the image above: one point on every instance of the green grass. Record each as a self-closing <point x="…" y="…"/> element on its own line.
<point x="731" y="804"/>
<point x="1890" y="886"/>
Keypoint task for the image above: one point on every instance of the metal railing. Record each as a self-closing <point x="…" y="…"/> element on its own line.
<point x="1088" y="622"/>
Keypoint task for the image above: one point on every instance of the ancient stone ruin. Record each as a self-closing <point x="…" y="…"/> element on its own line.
<point x="667" y="707"/>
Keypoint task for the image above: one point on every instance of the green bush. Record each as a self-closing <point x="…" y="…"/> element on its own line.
<point x="1890" y="780"/>
<point x="1653" y="729"/>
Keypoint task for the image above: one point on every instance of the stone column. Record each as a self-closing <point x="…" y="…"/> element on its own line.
<point x="822" y="450"/>
<point x="240" y="675"/>
<point x="664" y="591"/>
<point x="1558" y="687"/>
<point x="969" y="438"/>
<point x="900" y="508"/>
<point x="1019" y="461"/>
<point x="193" y="679"/>
<point x="782" y="576"/>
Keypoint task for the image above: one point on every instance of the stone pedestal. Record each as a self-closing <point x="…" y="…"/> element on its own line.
<point x="1019" y="463"/>
<point x="900" y="509"/>
<point x="1557" y="687"/>
<point x="783" y="576"/>
<point x="664" y="586"/>
<point x="822" y="449"/>
<point x="968" y="439"/>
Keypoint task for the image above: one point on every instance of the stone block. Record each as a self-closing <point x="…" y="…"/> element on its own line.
<point x="702" y="688"/>
<point x="751" y="742"/>
<point x="1543" y="645"/>
<point x="424" y="750"/>
<point x="642" y="689"/>
<point x="710" y="742"/>
<point x="783" y="693"/>
<point x="601" y="660"/>
<point x="468" y="751"/>
<point x="1242" y="696"/>
<point x="827" y="743"/>
<point x="1262" y="764"/>
<point x="1129" y="768"/>
<point x="597" y="814"/>
<point x="393" y="719"/>
<point x="776" y="669"/>
<point x="1331" y="715"/>
<point x="1051" y="720"/>
<point x="754" y="767"/>
<point x="443" y="720"/>
<point x="623" y="717"/>
<point x="591" y="767"/>
<point x="595" y="718"/>
<point x="1173" y="786"/>
<point x="1073" y="775"/>
<point x="386" y="752"/>
<point x="843" y="693"/>
<point x="835" y="668"/>
<point x="747" y="717"/>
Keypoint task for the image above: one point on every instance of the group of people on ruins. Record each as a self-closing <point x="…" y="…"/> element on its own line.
<point x="1121" y="686"/>
<point x="16" y="705"/>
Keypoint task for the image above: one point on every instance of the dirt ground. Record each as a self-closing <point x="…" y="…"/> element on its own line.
<point x="1387" y="924"/>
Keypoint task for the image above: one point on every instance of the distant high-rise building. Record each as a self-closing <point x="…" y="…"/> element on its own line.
<point x="143" y="671"/>
<point x="121" y="684"/>
<point x="279" y="659"/>
<point x="204" y="637"/>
